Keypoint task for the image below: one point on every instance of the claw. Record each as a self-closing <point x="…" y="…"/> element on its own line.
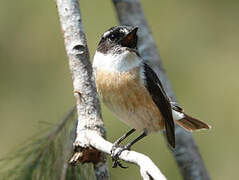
<point x="120" y="165"/>
<point x="117" y="163"/>
<point x="115" y="157"/>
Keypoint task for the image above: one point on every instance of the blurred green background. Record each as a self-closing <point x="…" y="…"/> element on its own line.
<point x="198" y="42"/>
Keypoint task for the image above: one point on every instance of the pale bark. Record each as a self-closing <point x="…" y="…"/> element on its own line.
<point x="186" y="152"/>
<point x="148" y="169"/>
<point x="88" y="106"/>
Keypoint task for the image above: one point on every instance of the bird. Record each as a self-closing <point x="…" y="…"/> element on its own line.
<point x="130" y="89"/>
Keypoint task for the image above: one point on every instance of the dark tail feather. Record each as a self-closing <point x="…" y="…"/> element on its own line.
<point x="191" y="124"/>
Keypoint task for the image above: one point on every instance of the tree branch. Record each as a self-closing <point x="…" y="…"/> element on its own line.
<point x="147" y="168"/>
<point x="186" y="152"/>
<point x="88" y="106"/>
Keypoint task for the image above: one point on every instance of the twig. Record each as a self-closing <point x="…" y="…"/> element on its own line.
<point x="186" y="153"/>
<point x="147" y="168"/>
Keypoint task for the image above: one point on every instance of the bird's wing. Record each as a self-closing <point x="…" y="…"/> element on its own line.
<point x="175" y="106"/>
<point x="155" y="88"/>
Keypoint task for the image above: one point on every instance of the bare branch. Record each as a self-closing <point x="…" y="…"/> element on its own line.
<point x="88" y="106"/>
<point x="147" y="167"/>
<point x="186" y="153"/>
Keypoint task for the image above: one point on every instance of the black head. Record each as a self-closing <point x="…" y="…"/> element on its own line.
<point x="117" y="39"/>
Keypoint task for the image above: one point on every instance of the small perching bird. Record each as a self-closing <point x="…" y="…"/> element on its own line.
<point x="132" y="90"/>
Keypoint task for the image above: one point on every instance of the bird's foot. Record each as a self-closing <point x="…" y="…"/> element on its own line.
<point x="115" y="153"/>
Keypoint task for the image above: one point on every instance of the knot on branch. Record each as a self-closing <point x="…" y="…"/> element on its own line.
<point x="85" y="155"/>
<point x="81" y="49"/>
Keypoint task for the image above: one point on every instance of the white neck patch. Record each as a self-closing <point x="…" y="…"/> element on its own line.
<point x="117" y="62"/>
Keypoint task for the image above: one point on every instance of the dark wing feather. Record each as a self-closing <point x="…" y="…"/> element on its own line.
<point x="160" y="98"/>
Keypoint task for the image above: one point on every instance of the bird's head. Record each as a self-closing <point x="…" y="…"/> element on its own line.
<point x="118" y="39"/>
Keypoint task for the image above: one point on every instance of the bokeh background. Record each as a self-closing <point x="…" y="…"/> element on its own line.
<point x="198" y="42"/>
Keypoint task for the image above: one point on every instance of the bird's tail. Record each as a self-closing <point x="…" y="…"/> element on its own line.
<point x="191" y="124"/>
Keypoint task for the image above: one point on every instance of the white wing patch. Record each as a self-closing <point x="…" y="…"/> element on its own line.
<point x="177" y="115"/>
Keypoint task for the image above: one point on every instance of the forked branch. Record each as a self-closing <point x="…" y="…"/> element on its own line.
<point x="148" y="169"/>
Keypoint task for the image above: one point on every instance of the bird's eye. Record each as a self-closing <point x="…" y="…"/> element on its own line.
<point x="112" y="37"/>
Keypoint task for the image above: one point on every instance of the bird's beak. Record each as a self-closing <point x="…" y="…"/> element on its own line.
<point x="130" y="40"/>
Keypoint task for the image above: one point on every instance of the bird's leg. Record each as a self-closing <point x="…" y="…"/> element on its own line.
<point x="116" y="145"/>
<point x="118" y="141"/>
<point x="128" y="146"/>
<point x="115" y="157"/>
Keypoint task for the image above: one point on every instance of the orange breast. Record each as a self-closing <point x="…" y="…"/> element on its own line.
<point x="125" y="95"/>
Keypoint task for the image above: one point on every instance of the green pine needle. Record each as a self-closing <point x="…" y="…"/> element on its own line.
<point x="46" y="156"/>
